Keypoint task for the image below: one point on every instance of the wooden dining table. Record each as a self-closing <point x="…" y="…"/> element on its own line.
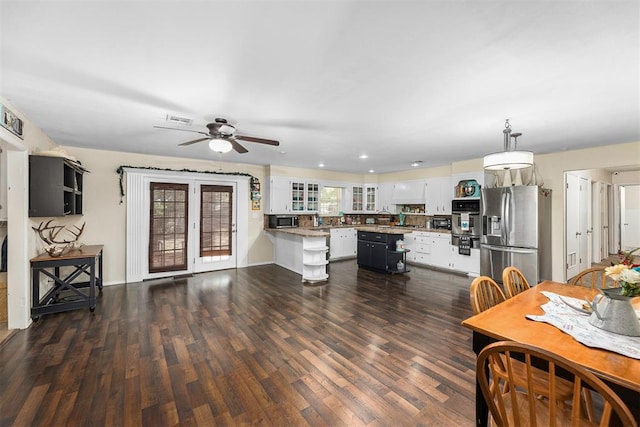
<point x="507" y="321"/>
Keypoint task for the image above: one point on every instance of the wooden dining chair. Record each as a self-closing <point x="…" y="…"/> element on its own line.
<point x="593" y="277"/>
<point x="484" y="293"/>
<point x="514" y="403"/>
<point x="513" y="281"/>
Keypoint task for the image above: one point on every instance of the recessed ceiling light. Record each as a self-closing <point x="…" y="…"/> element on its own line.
<point x="416" y="163"/>
<point x="371" y="171"/>
<point x="364" y="156"/>
<point x="283" y="152"/>
<point x="320" y="165"/>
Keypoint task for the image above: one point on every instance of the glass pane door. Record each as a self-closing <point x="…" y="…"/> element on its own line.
<point x="313" y="194"/>
<point x="215" y="227"/>
<point x="168" y="227"/>
<point x="371" y="199"/>
<point x="215" y="220"/>
<point x="357" y="198"/>
<point x="297" y="196"/>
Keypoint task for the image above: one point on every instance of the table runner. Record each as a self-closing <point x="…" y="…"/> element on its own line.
<point x="576" y="324"/>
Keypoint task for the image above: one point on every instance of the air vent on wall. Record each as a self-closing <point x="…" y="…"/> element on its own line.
<point x="184" y="121"/>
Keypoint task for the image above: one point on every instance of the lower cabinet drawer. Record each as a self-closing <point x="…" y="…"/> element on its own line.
<point x="423" y="248"/>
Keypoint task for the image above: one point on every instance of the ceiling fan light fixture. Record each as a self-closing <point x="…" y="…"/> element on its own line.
<point x="220" y="145"/>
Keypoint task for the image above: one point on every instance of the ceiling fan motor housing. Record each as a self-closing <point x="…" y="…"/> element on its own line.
<point x="221" y="128"/>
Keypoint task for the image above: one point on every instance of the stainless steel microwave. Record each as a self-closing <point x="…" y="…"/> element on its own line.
<point x="283" y="221"/>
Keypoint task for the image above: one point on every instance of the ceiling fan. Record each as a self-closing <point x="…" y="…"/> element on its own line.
<point x="222" y="137"/>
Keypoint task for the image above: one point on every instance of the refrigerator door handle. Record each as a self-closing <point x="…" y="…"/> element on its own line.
<point x="503" y="218"/>
<point x="507" y="217"/>
<point x="509" y="249"/>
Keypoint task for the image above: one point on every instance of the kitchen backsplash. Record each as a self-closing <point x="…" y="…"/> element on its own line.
<point x="361" y="219"/>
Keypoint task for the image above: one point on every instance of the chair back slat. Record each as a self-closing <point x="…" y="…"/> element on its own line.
<point x="484" y="293"/>
<point x="513" y="281"/>
<point x="594" y="278"/>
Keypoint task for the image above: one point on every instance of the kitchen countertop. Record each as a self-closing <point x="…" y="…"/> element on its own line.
<point x="384" y="229"/>
<point x="301" y="231"/>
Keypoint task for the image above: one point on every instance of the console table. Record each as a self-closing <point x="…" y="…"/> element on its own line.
<point x="66" y="293"/>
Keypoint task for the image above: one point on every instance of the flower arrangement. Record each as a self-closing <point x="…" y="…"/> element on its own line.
<point x="627" y="274"/>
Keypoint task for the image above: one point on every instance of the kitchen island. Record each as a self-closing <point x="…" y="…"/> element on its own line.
<point x="303" y="251"/>
<point x="378" y="249"/>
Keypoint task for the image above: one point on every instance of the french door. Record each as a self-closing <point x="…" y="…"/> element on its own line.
<point x="214" y="226"/>
<point x="168" y="228"/>
<point x="192" y="226"/>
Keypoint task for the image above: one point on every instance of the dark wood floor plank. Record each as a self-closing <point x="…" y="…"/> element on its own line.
<point x="251" y="346"/>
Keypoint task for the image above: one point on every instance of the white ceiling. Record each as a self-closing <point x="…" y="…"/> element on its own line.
<point x="331" y="80"/>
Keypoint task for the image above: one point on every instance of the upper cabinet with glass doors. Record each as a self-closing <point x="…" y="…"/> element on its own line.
<point x="364" y="198"/>
<point x="305" y="196"/>
<point x="371" y="202"/>
<point x="357" y="201"/>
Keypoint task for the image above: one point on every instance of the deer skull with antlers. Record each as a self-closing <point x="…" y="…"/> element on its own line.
<point x="49" y="234"/>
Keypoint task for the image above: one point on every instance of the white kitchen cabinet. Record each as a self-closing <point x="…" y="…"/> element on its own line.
<point x="305" y="195"/>
<point x="277" y="200"/>
<point x="343" y="243"/>
<point x="435" y="249"/>
<point x="371" y="198"/>
<point x="438" y="195"/>
<point x="469" y="264"/>
<point x="357" y="198"/>
<point x="364" y="198"/>
<point x="385" y="194"/>
<point x="410" y="245"/>
<point x="419" y="244"/>
<point x="440" y="250"/>
<point x="409" y="192"/>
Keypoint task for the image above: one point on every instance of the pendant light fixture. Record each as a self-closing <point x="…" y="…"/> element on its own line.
<point x="508" y="159"/>
<point x="220" y="145"/>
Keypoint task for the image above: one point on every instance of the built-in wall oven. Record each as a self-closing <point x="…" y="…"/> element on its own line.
<point x="466" y="224"/>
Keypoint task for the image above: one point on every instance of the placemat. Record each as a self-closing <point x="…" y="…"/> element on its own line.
<point x="576" y="324"/>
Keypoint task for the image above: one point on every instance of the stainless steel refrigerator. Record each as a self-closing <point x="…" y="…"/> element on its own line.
<point x="516" y="231"/>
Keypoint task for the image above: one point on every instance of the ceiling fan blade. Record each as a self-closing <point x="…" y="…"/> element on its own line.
<point x="195" y="140"/>
<point x="183" y="130"/>
<point x="236" y="146"/>
<point x="259" y="140"/>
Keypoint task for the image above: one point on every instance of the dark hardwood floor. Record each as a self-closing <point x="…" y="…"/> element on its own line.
<point x="251" y="346"/>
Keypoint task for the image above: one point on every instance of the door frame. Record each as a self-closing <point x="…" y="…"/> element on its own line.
<point x="137" y="217"/>
<point x="571" y="200"/>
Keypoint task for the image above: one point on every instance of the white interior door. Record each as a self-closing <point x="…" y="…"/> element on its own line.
<point x="214" y="223"/>
<point x="584" y="224"/>
<point x="572" y="226"/>
<point x="596" y="221"/>
<point x="606" y="220"/>
<point x="630" y="217"/>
